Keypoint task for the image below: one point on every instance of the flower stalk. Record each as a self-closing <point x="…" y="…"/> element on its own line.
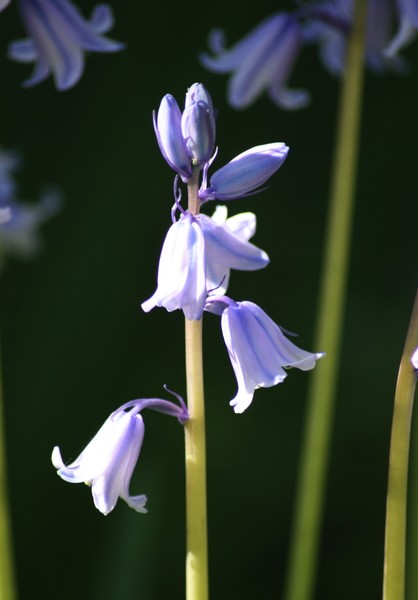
<point x="321" y="397"/>
<point x="396" y="504"/>
<point x="7" y="576"/>
<point x="195" y="447"/>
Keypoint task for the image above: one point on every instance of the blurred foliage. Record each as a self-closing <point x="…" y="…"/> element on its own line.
<point x="76" y="344"/>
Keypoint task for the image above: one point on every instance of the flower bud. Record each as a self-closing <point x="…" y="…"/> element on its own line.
<point x="167" y="128"/>
<point x="245" y="173"/>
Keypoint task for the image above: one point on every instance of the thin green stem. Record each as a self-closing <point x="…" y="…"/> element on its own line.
<point x="314" y="462"/>
<point x="396" y="504"/>
<point x="195" y="447"/>
<point x="7" y="577"/>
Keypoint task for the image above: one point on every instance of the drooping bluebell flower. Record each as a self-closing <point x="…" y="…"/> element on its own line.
<point x="258" y="349"/>
<point x="244" y="173"/>
<point x="261" y="61"/>
<point x="182" y="270"/>
<point x="58" y="37"/>
<point x="227" y="247"/>
<point x="19" y="235"/>
<point x="108" y="461"/>
<point x="186" y="139"/>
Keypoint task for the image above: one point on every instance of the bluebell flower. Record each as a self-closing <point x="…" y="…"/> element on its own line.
<point x="108" y="461"/>
<point x="182" y="270"/>
<point x="261" y="61"/>
<point x="258" y="349"/>
<point x="333" y="40"/>
<point x="227" y="247"/>
<point x="58" y="37"/>
<point x="245" y="173"/>
<point x="186" y="139"/>
<point x="19" y="235"/>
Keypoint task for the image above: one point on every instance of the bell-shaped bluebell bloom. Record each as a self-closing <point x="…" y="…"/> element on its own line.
<point x="108" y="461"/>
<point x="59" y="35"/>
<point x="258" y="349"/>
<point x="19" y="235"/>
<point x="167" y="126"/>
<point x="262" y="61"/>
<point x="227" y="247"/>
<point x="408" y="26"/>
<point x="182" y="270"/>
<point x="198" y="124"/>
<point x="245" y="173"/>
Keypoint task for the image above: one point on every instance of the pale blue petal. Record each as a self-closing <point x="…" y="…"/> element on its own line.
<point x="222" y="246"/>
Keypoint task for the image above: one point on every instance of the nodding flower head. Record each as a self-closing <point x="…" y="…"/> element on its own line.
<point x="258" y="349"/>
<point x="182" y="270"/>
<point x="108" y="461"/>
<point x="261" y="61"/>
<point x="59" y="35"/>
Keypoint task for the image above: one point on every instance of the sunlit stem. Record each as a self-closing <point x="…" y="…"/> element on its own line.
<point x="396" y="504"/>
<point x="196" y="558"/>
<point x="7" y="577"/>
<point x="321" y="398"/>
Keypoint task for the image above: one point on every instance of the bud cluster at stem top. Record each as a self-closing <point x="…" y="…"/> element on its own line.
<point x="186" y="139"/>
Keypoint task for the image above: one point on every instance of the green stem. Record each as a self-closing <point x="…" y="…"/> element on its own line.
<point x="396" y="504"/>
<point x="195" y="447"/>
<point x="314" y="462"/>
<point x="7" y="577"/>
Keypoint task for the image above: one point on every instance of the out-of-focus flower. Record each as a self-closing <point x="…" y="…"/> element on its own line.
<point x="258" y="349"/>
<point x="333" y="40"/>
<point x="181" y="271"/>
<point x="5" y="215"/>
<point x="261" y="61"/>
<point x="244" y="173"/>
<point x="186" y="139"/>
<point x="59" y="35"/>
<point x="108" y="461"/>
<point x="19" y="235"/>
<point x="407" y="12"/>
<point x="227" y="247"/>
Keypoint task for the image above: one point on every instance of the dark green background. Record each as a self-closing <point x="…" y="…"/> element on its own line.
<point x="76" y="345"/>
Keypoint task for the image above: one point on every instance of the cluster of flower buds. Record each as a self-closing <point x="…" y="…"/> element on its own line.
<point x="199" y="251"/>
